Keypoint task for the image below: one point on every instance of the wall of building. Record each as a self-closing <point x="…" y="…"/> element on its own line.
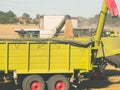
<point x="51" y="22"/>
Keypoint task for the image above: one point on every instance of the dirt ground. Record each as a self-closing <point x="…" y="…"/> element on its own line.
<point x="112" y="82"/>
<point x="8" y="31"/>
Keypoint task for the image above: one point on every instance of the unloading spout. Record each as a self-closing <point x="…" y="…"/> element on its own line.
<point x="107" y="5"/>
<point x="61" y="25"/>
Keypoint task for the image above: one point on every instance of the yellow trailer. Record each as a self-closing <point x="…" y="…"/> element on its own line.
<point x="48" y="56"/>
<point x="34" y="62"/>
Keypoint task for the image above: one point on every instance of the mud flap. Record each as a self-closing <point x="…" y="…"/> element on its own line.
<point x="114" y="60"/>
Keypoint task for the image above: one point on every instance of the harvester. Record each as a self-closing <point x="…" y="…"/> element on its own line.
<point x="58" y="62"/>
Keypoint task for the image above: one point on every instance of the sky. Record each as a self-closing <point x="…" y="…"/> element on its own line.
<point x="84" y="8"/>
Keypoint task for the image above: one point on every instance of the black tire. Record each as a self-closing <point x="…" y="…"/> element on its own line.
<point x="1" y="76"/>
<point x="29" y="80"/>
<point x="55" y="79"/>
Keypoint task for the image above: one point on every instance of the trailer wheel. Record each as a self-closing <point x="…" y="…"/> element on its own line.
<point x="1" y="76"/>
<point x="58" y="82"/>
<point x="33" y="82"/>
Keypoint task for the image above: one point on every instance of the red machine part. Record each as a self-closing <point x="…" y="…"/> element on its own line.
<point x="112" y="7"/>
<point x="35" y="85"/>
<point x="60" y="85"/>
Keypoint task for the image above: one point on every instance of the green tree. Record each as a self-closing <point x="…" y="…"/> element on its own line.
<point x="37" y="16"/>
<point x="10" y="14"/>
<point x="4" y="19"/>
<point x="26" y="16"/>
<point x="113" y="21"/>
<point x="94" y="20"/>
<point x="109" y="20"/>
<point x="2" y="13"/>
<point x="13" y="20"/>
<point x="7" y="17"/>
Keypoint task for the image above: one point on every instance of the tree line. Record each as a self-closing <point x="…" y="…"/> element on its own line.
<point x="112" y="21"/>
<point x="7" y="17"/>
<point x="11" y="18"/>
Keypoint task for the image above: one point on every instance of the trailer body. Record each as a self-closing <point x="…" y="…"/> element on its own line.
<point x="45" y="57"/>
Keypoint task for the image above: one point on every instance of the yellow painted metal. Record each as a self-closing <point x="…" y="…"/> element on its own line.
<point x="111" y="46"/>
<point x="18" y="57"/>
<point x="27" y="57"/>
<point x="108" y="45"/>
<point x="3" y="57"/>
<point x="34" y="57"/>
<point x="100" y="25"/>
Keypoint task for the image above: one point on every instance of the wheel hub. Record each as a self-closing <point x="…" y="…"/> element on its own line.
<point x="60" y="85"/>
<point x="35" y="86"/>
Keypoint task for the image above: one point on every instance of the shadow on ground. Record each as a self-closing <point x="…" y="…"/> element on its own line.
<point x="88" y="84"/>
<point x="85" y="85"/>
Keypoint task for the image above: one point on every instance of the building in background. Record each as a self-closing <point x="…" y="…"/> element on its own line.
<point x="48" y="24"/>
<point x="52" y="21"/>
